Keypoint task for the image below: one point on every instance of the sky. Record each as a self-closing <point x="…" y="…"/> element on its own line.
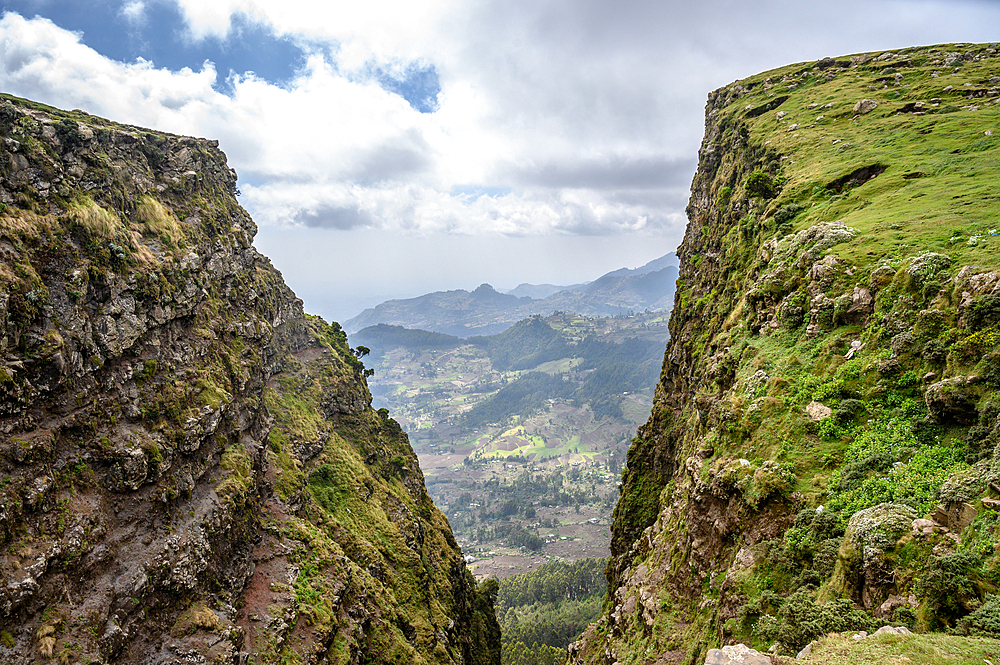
<point x="391" y="148"/>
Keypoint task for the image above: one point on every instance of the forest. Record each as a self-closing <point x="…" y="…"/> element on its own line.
<point x="543" y="611"/>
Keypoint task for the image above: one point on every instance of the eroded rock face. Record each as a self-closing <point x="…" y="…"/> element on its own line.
<point x="788" y="325"/>
<point x="155" y="479"/>
<point x="952" y="400"/>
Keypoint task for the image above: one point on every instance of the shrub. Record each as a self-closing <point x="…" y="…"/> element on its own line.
<point x="760" y="184"/>
<point x="947" y="586"/>
<point x="985" y="621"/>
<point x="801" y="620"/>
<point x="934" y="353"/>
<point x="984" y="312"/>
<point x="69" y="133"/>
<point x="875" y="530"/>
<point x="787" y="213"/>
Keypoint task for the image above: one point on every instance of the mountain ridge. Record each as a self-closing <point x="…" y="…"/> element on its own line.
<point x="825" y="431"/>
<point x="191" y="467"/>
<point x="485" y="311"/>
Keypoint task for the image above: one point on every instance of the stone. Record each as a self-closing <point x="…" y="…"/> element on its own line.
<point x="892" y="630"/>
<point x="818" y="411"/>
<point x="865" y="106"/>
<point x="991" y="504"/>
<point x="886" y="609"/>
<point x="924" y="527"/>
<point x="856" y="346"/>
<point x="806" y="651"/>
<point x="960" y="515"/>
<point x="736" y="654"/>
<point x="950" y="401"/>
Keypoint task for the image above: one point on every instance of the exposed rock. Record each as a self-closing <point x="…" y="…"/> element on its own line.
<point x="736" y="654"/>
<point x="865" y="106"/>
<point x="818" y="411"/>
<point x="960" y="515"/>
<point x="889" y="607"/>
<point x="895" y="630"/>
<point x="952" y="401"/>
<point x="149" y="453"/>
<point x="856" y="345"/>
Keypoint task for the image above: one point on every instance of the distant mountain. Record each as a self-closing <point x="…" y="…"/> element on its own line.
<point x="539" y="291"/>
<point x="485" y="311"/>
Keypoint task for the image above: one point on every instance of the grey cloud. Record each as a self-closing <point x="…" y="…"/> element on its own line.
<point x="398" y="160"/>
<point x="615" y="172"/>
<point x="331" y="216"/>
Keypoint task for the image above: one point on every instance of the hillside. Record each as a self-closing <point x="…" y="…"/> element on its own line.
<point x="191" y="470"/>
<point x="821" y="453"/>
<point x="521" y="435"/>
<point x="485" y="311"/>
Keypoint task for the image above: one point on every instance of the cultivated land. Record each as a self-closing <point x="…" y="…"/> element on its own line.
<point x="573" y="458"/>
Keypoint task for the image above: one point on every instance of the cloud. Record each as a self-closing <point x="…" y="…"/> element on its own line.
<point x="578" y="118"/>
<point x="335" y="217"/>
<point x="134" y="11"/>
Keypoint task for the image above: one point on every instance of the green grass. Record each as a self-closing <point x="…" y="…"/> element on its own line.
<point x="929" y="649"/>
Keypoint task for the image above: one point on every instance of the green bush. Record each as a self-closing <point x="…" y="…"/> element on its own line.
<point x="985" y="621"/>
<point x="984" y="312"/>
<point x="800" y="620"/>
<point x="760" y="184"/>
<point x="787" y="213"/>
<point x="947" y="586"/>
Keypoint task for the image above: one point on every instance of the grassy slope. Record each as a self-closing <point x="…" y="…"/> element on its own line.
<point x="743" y="271"/>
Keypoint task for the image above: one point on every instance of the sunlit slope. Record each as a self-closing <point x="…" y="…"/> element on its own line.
<point x="832" y="373"/>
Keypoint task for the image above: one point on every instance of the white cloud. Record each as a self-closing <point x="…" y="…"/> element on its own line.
<point x="134" y="11"/>
<point x="586" y="115"/>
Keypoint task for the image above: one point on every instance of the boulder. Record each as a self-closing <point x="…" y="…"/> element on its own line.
<point x="865" y="106"/>
<point x="950" y="401"/>
<point x="991" y="504"/>
<point x="892" y="630"/>
<point x="818" y="411"/>
<point x="736" y="654"/>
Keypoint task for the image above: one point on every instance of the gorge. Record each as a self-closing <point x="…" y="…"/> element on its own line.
<point x="192" y="470"/>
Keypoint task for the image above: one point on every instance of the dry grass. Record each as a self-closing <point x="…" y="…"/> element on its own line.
<point x="46" y="643"/>
<point x="205" y="618"/>
<point x="98" y="222"/>
<point x="23" y="225"/>
<point x="157" y="220"/>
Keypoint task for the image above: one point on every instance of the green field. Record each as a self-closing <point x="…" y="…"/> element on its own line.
<point x="554" y="431"/>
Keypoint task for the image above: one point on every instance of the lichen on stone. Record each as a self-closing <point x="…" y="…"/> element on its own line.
<point x="875" y="530"/>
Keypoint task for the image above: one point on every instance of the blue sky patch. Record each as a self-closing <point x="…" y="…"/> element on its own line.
<point x="159" y="35"/>
<point x="473" y="192"/>
<point x="418" y="85"/>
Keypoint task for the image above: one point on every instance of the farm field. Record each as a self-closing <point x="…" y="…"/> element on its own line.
<point x="522" y="436"/>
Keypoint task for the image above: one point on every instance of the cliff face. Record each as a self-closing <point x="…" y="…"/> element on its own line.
<point x="832" y="372"/>
<point x="192" y="471"/>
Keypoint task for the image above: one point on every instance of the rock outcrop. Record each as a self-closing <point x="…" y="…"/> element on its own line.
<point x="191" y="468"/>
<point x="833" y="364"/>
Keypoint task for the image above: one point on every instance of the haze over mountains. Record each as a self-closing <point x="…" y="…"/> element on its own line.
<point x="486" y="311"/>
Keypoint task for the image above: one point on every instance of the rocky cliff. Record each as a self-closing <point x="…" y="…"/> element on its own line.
<point x="821" y="452"/>
<point x="191" y="468"/>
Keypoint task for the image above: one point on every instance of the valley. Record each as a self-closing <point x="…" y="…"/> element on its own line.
<point x="522" y="436"/>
